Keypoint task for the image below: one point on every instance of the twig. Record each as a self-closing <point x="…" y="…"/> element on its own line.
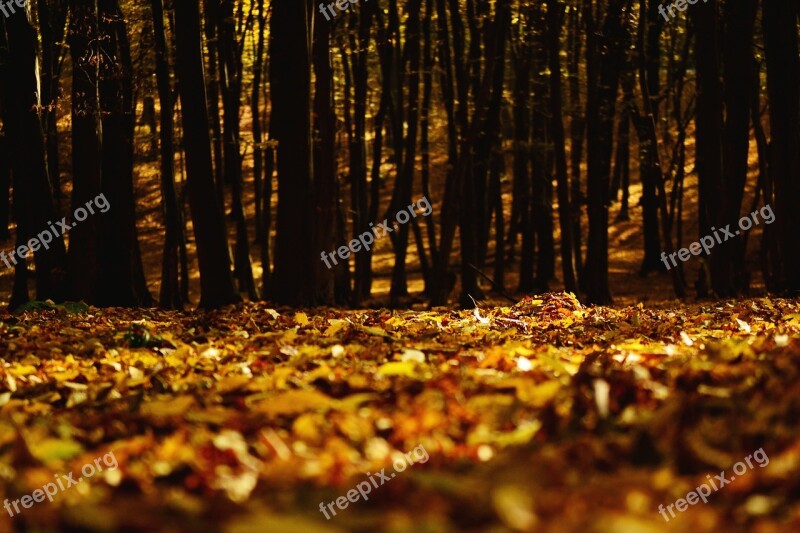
<point x="498" y="289"/>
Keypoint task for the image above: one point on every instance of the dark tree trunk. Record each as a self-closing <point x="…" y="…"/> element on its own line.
<point x="783" y="82"/>
<point x="255" y="111"/>
<point x="427" y="93"/>
<point x="33" y="201"/>
<point x="52" y="25"/>
<point x="324" y="161"/>
<point x="622" y="163"/>
<point x="651" y="162"/>
<point x="439" y="289"/>
<point x="604" y="52"/>
<point x="87" y="134"/>
<point x="520" y="220"/>
<point x="577" y="130"/>
<point x="216" y="282"/>
<point x="738" y="54"/>
<point x="290" y="78"/>
<point x="541" y="205"/>
<point x="5" y="181"/>
<point x="359" y="43"/>
<point x="170" y="295"/>
<point x="231" y="75"/>
<point x="121" y="278"/>
<point x="650" y="174"/>
<point x="487" y="150"/>
<point x="555" y="12"/>
<point x="211" y="10"/>
<point x="450" y="209"/>
<point x="402" y="194"/>
<point x="709" y="143"/>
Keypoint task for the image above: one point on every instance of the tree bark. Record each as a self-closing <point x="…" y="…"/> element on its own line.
<point x="87" y="134"/>
<point x="33" y="201"/>
<point x="783" y="83"/>
<point x="170" y="295"/>
<point x="216" y="282"/>
<point x="290" y="78"/>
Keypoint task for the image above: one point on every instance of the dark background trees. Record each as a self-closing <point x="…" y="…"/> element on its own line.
<point x="286" y="130"/>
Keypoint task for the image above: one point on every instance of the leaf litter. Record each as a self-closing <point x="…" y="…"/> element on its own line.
<point x="542" y="416"/>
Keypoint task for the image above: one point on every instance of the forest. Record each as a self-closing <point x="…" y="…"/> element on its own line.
<point x="540" y="250"/>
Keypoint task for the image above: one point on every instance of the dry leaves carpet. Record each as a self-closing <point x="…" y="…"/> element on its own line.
<point x="544" y="416"/>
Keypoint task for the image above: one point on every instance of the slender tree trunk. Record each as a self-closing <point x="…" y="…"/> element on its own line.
<point x="709" y="143"/>
<point x="450" y="209"/>
<point x="5" y="183"/>
<point x="231" y="73"/>
<point x="652" y="162"/>
<point x="622" y="164"/>
<point x="521" y="55"/>
<point x="255" y="111"/>
<point x="542" y="172"/>
<point x="170" y="295"/>
<point x="402" y="196"/>
<point x="216" y="283"/>
<point x="211" y="10"/>
<point x="555" y="12"/>
<point x="359" y="43"/>
<point x="33" y="200"/>
<point x="290" y="78"/>
<point x="87" y="131"/>
<point x="121" y="278"/>
<point x="52" y="25"/>
<point x="783" y="83"/>
<point x="604" y="58"/>
<point x="577" y="129"/>
<point x="427" y="93"/>
<point x="738" y="54"/>
<point x="324" y="160"/>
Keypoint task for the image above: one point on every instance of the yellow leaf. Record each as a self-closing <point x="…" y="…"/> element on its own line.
<point x="49" y="449"/>
<point x="22" y="370"/>
<point x="176" y="406"/>
<point x="295" y="402"/>
<point x="399" y="368"/>
<point x="336" y="325"/>
<point x="539" y="395"/>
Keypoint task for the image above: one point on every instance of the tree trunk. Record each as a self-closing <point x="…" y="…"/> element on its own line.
<point x="231" y="75"/>
<point x="604" y="52"/>
<point x="170" y="295"/>
<point x="290" y="78"/>
<point x="555" y="12"/>
<point x="738" y="54"/>
<point x="211" y="16"/>
<point x="87" y="132"/>
<point x="324" y="161"/>
<point x="33" y="201"/>
<point x="783" y="83"/>
<point x="52" y="25"/>
<point x="709" y="144"/>
<point x="121" y="278"/>
<point x="216" y="283"/>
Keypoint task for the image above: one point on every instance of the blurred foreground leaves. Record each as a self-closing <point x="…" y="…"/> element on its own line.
<point x="543" y="416"/>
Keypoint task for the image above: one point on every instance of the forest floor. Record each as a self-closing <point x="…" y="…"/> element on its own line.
<point x="542" y="416"/>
